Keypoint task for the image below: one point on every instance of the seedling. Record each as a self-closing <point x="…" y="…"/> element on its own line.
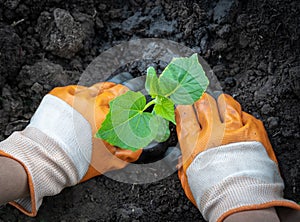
<point x="129" y="125"/>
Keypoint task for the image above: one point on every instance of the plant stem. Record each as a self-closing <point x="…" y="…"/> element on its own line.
<point x="152" y="102"/>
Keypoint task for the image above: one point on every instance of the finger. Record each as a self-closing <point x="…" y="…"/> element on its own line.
<point x="230" y="111"/>
<point x="74" y="89"/>
<point x="184" y="183"/>
<point x="187" y="125"/>
<point x="107" y="95"/>
<point x="207" y="111"/>
<point x="70" y="90"/>
<point x="247" y="118"/>
<point x="188" y="130"/>
<point x="67" y="93"/>
<point x="103" y="155"/>
<point x="257" y="132"/>
<point x="98" y="88"/>
<point x="128" y="155"/>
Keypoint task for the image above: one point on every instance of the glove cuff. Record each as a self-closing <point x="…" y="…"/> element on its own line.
<point x="55" y="150"/>
<point x="48" y="168"/>
<point x="234" y="178"/>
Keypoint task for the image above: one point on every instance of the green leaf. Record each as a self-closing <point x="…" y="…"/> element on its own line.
<point x="151" y="84"/>
<point x="164" y="131"/>
<point x="183" y="80"/>
<point x="107" y="130"/>
<point x="164" y="107"/>
<point x="126" y="125"/>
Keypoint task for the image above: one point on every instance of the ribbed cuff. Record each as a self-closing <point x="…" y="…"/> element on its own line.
<point x="237" y="194"/>
<point x="233" y="178"/>
<point x="48" y="167"/>
<point x="55" y="150"/>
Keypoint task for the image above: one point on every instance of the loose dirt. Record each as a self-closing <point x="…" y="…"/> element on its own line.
<point x="252" y="46"/>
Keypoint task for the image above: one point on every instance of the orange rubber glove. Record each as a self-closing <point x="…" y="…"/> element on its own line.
<point x="59" y="147"/>
<point x="93" y="104"/>
<point x="228" y="162"/>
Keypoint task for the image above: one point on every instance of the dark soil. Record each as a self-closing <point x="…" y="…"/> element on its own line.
<point x="253" y="47"/>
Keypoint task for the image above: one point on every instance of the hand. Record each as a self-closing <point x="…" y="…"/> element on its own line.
<point x="58" y="146"/>
<point x="226" y="153"/>
<point x="93" y="104"/>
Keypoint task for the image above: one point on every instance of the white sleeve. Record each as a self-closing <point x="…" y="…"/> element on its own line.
<point x="55" y="151"/>
<point x="233" y="176"/>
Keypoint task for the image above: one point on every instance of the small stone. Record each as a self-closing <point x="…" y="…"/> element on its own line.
<point x="249" y="73"/>
<point x="287" y="132"/>
<point x="230" y="81"/>
<point x="178" y="210"/>
<point x="204" y="44"/>
<point x="76" y="64"/>
<point x="36" y="87"/>
<point x="256" y="115"/>
<point x="27" y="115"/>
<point x="186" y="207"/>
<point x="102" y="7"/>
<point x="273" y="122"/>
<point x="262" y="66"/>
<point x="258" y="72"/>
<point x="266" y="109"/>
<point x="189" y="26"/>
<point x="11" y="4"/>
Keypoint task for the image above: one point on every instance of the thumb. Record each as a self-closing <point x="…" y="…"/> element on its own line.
<point x="184" y="183"/>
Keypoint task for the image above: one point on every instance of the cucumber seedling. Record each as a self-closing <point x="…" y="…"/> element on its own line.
<point x="129" y="126"/>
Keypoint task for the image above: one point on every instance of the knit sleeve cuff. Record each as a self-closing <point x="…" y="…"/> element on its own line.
<point x="48" y="168"/>
<point x="55" y="151"/>
<point x="234" y="178"/>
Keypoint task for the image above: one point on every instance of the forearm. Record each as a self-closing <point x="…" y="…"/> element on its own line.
<point x="13" y="180"/>
<point x="282" y="214"/>
<point x="262" y="215"/>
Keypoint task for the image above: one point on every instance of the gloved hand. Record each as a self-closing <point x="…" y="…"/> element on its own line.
<point x="228" y="162"/>
<point x="58" y="148"/>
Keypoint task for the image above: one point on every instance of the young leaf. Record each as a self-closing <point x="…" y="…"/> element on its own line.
<point x="151" y="84"/>
<point x="107" y="130"/>
<point x="164" y="132"/>
<point x="183" y="80"/>
<point x="127" y="126"/>
<point x="164" y="107"/>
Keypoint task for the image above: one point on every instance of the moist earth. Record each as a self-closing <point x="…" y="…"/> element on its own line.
<point x="252" y="46"/>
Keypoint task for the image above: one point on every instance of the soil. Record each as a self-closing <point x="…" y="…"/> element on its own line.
<point x="253" y="47"/>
